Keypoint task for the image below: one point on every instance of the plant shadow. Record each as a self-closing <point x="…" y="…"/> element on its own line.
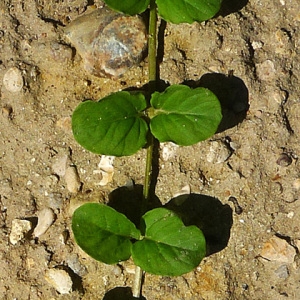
<point x="120" y="293"/>
<point x="205" y="212"/>
<point x="209" y="215"/>
<point x="232" y="93"/>
<point x="230" y="6"/>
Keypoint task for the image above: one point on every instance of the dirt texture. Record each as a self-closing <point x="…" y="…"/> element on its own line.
<point x="244" y="181"/>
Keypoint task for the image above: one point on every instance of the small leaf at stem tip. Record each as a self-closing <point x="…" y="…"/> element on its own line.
<point x="129" y="7"/>
<point x="103" y="233"/>
<point x="169" y="248"/>
<point x="187" y="11"/>
<point x="113" y="126"/>
<point x="185" y="116"/>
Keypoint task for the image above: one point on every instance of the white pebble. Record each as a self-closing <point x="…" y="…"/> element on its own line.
<point x="266" y="70"/>
<point x="277" y="249"/>
<point x="18" y="230"/>
<point x="13" y="80"/>
<point x="72" y="179"/>
<point x="60" y="280"/>
<point x="45" y="219"/>
<point x="106" y="169"/>
<point x="218" y="152"/>
<point x="59" y="166"/>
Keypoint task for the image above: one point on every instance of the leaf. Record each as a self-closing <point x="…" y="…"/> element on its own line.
<point x="187" y="11"/>
<point x="185" y="116"/>
<point x="168" y="248"/>
<point x="130" y="7"/>
<point x="112" y="126"/>
<point x="103" y="233"/>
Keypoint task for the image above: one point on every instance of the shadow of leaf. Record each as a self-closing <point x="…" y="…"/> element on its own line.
<point x="209" y="215"/>
<point x="232" y="94"/>
<point x="230" y="6"/>
<point x="120" y="293"/>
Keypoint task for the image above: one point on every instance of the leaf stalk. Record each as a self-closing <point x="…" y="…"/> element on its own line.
<point x="152" y="73"/>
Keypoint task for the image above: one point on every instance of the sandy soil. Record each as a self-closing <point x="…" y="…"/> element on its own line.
<point x="249" y="56"/>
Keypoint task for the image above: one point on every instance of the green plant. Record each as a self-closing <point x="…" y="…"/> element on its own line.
<point x="121" y="124"/>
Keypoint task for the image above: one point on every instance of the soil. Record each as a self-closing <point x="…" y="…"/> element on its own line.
<point x="249" y="56"/>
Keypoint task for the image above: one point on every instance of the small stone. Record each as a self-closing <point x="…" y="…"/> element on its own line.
<point x="60" y="280"/>
<point x="13" y="80"/>
<point x="277" y="249"/>
<point x="282" y="272"/>
<point x="106" y="169"/>
<point x="55" y="201"/>
<point x="218" y="152"/>
<point x="266" y="70"/>
<point x="77" y="267"/>
<point x="72" y="179"/>
<point x="117" y="270"/>
<point x="284" y="160"/>
<point x="60" y="165"/>
<point x="19" y="229"/>
<point x="168" y="150"/>
<point x="46" y="218"/>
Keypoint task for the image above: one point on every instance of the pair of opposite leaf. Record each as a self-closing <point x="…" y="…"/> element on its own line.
<point x="174" y="11"/>
<point x="166" y="247"/>
<point x="119" y="124"/>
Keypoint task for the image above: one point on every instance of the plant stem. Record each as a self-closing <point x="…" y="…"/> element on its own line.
<point x="152" y="67"/>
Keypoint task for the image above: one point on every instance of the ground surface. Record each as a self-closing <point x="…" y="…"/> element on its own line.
<point x="253" y="158"/>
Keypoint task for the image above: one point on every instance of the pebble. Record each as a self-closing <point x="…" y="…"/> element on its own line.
<point x="55" y="200"/>
<point x="46" y="218"/>
<point x="19" y="229"/>
<point x="74" y="264"/>
<point x="168" y="150"/>
<point x="13" y="80"/>
<point x="279" y="250"/>
<point x="284" y="160"/>
<point x="72" y="179"/>
<point x="106" y="169"/>
<point x="218" y="152"/>
<point x="108" y="42"/>
<point x="266" y="70"/>
<point x="282" y="272"/>
<point x="60" y="280"/>
<point x="60" y="165"/>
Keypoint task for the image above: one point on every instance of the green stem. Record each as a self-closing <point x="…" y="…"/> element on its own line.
<point x="152" y="67"/>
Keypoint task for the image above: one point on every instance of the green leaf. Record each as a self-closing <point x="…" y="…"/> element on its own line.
<point x="130" y="7"/>
<point x="185" y="116"/>
<point x="103" y="233"/>
<point x="112" y="126"/>
<point x="187" y="11"/>
<point x="169" y="247"/>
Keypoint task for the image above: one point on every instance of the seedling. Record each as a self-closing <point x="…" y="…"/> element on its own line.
<point x="121" y="124"/>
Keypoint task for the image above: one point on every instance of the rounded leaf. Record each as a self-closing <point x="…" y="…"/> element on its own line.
<point x="103" y="233"/>
<point x="112" y="126"/>
<point x="185" y="116"/>
<point x="187" y="11"/>
<point x="169" y="248"/>
<point x="130" y="7"/>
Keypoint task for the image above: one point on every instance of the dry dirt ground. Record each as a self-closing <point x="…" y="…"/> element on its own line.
<point x="249" y="55"/>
